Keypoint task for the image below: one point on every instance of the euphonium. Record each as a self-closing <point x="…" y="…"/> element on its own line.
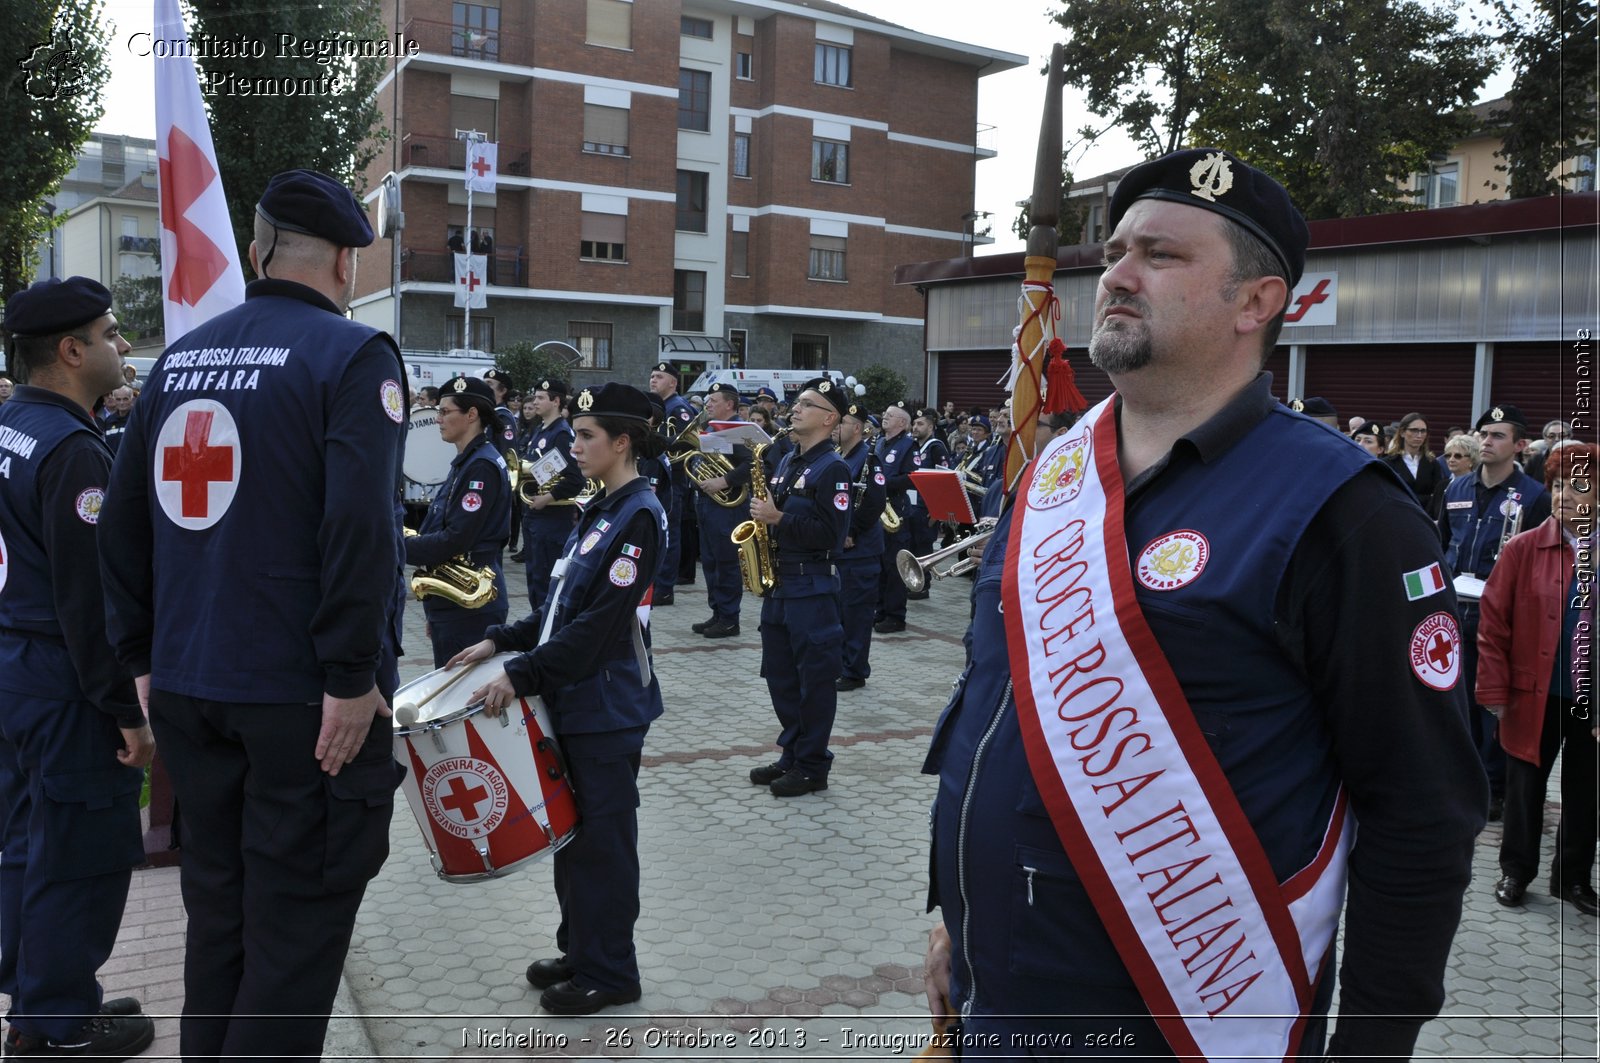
<point x="758" y="563"/>
<point x="456" y="581"/>
<point x="702" y="466"/>
<point x="527" y="490"/>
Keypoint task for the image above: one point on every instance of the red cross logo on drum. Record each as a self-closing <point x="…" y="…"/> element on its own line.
<point x="466" y="796"/>
<point x="461" y="799"/>
<point x="1435" y="651"/>
<point x="197" y="459"/>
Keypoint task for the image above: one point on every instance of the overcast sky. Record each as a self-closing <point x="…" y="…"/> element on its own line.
<point x="1008" y="101"/>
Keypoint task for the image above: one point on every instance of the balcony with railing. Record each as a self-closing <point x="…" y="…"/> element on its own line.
<point x="139" y="245"/>
<point x="488" y="45"/>
<point x="417" y="149"/>
<point x="508" y="269"/>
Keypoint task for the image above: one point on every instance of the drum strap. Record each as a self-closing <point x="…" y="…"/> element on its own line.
<point x="642" y="655"/>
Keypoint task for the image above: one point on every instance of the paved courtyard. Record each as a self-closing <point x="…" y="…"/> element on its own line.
<point x="776" y="928"/>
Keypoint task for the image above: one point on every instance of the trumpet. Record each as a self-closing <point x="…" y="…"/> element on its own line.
<point x="917" y="572"/>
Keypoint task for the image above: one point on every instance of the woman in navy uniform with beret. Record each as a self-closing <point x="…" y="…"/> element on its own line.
<point x="470" y="515"/>
<point x="584" y="653"/>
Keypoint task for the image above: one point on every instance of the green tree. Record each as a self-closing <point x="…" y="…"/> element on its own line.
<point x="137" y="304"/>
<point x="883" y="385"/>
<point x="1549" y="117"/>
<point x="528" y="366"/>
<point x="50" y="95"/>
<point x="330" y="125"/>
<point x="1341" y="100"/>
<point x="1071" y="221"/>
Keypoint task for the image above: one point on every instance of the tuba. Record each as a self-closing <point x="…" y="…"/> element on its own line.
<point x="758" y="564"/>
<point x="456" y="581"/>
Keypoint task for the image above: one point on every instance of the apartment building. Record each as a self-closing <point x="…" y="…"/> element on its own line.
<point x="708" y="182"/>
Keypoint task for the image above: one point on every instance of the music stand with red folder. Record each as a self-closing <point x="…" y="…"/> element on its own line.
<point x="943" y="492"/>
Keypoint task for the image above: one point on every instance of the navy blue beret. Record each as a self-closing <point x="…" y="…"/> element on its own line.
<point x="470" y="392"/>
<point x="1214" y="180"/>
<point x="305" y="201"/>
<point x="1313" y="407"/>
<point x="720" y="388"/>
<point x="981" y="421"/>
<point x="830" y="391"/>
<point x="55" y="305"/>
<point x="612" y="400"/>
<point x="1505" y="413"/>
<point x="556" y="389"/>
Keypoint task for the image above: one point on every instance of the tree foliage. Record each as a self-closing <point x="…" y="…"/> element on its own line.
<point x="528" y="366"/>
<point x="333" y="128"/>
<point x="1549" y="117"/>
<point x="884" y="386"/>
<point x="49" y="103"/>
<point x="1070" y="223"/>
<point x="137" y="303"/>
<point x="1341" y="100"/>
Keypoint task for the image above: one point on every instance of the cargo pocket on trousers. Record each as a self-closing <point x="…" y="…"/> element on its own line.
<point x="360" y="806"/>
<point x="827" y="644"/>
<point x="91" y="822"/>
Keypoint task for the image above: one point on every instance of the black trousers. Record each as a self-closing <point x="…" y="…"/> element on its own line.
<point x="276" y="857"/>
<point x="1525" y="791"/>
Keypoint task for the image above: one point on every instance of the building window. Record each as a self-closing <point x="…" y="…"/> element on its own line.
<point x="739" y="340"/>
<point x="475" y="31"/>
<point x="741" y="155"/>
<point x="593" y="341"/>
<point x="739" y="255"/>
<point x="808" y="352"/>
<point x="610" y="24"/>
<point x="832" y="65"/>
<point x="743" y="68"/>
<point x="830" y="161"/>
<point x="482" y="333"/>
<point x="471" y="114"/>
<point x="694" y="100"/>
<point x="827" y="259"/>
<point x="605" y="129"/>
<point x="604" y="236"/>
<point x="689" y="26"/>
<point x="1094" y="230"/>
<point x="1441" y="186"/>
<point x="693" y="187"/>
<point x="688" y="301"/>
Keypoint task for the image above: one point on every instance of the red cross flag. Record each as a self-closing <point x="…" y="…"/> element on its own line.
<point x="470" y="290"/>
<point x="200" y="274"/>
<point x="482" y="162"/>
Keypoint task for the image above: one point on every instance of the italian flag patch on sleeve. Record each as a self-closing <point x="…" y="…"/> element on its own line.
<point x="1423" y="582"/>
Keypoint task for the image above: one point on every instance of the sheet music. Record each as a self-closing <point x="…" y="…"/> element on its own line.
<point x="549" y="466"/>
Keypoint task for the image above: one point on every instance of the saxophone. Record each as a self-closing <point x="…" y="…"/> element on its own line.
<point x="757" y="560"/>
<point x="456" y="581"/>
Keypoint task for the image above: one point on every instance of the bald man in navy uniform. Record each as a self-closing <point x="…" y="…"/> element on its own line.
<point x="73" y="736"/>
<point x="252" y="569"/>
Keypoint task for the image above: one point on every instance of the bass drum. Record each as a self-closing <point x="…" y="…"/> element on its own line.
<point x="428" y="457"/>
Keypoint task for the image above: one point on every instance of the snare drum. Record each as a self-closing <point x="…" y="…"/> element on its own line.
<point x="487" y="793"/>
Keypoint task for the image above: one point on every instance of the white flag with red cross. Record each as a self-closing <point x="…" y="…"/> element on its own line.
<point x="200" y="274"/>
<point x="470" y="281"/>
<point x="482" y="165"/>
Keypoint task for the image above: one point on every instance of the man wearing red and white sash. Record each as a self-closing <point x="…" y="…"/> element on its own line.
<point x="1204" y="710"/>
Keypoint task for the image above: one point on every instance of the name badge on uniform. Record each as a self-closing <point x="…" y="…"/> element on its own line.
<point x="1459" y="505"/>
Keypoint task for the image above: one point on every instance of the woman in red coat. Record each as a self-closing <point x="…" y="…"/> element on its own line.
<point x="1537" y="621"/>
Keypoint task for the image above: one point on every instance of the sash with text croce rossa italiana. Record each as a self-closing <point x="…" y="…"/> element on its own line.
<point x="1223" y="954"/>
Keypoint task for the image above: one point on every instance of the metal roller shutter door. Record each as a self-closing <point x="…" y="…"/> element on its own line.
<point x="1538" y="380"/>
<point x="1278" y="366"/>
<point x="977" y="378"/>
<point x="1384" y="383"/>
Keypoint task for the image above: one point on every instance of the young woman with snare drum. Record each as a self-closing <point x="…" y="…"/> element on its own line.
<point x="584" y="653"/>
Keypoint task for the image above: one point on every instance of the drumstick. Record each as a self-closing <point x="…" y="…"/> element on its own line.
<point x="405" y="713"/>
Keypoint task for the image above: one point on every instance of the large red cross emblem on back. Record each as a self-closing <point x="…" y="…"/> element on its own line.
<point x="196" y="464"/>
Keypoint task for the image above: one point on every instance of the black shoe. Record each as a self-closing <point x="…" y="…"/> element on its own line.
<point x="721" y="629"/>
<point x="1581" y="896"/>
<point x="766" y="776"/>
<point x="542" y="974"/>
<point x="564" y="998"/>
<point x="665" y="599"/>
<point x="106" y="1037"/>
<point x="888" y="626"/>
<point x="848" y="682"/>
<point x="916" y="596"/>
<point x="1509" y="891"/>
<point x="519" y="556"/>
<point x="700" y="628"/>
<point x="1497" y="809"/>
<point x="121" y="1006"/>
<point x="682" y="582"/>
<point x="796" y="782"/>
